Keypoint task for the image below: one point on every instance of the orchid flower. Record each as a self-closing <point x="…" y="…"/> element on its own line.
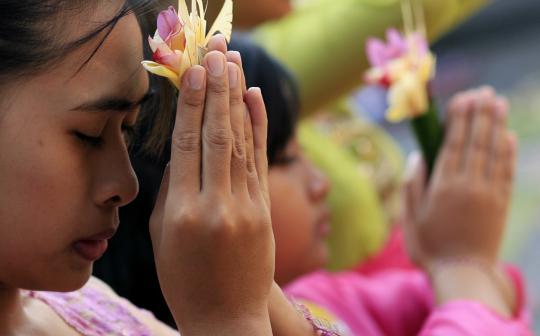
<point x="181" y="39"/>
<point x="404" y="65"/>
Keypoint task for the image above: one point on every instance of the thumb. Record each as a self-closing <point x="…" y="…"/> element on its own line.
<point x="415" y="177"/>
<point x="415" y="182"/>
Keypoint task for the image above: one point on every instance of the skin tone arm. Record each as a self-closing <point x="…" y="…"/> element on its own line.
<point x="456" y="223"/>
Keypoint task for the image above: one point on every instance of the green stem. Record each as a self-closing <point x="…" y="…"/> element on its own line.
<point x="429" y="133"/>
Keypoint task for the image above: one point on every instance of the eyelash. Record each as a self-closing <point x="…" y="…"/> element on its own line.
<point x="96" y="142"/>
<point x="89" y="140"/>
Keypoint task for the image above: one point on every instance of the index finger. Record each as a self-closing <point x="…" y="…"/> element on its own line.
<point x="185" y="164"/>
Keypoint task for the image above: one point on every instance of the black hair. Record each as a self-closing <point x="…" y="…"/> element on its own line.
<point x="31" y="33"/>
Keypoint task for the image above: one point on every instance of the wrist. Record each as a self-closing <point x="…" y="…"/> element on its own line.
<point x="471" y="279"/>
<point x="248" y="324"/>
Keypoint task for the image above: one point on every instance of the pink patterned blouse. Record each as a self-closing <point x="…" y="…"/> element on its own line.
<point x="92" y="311"/>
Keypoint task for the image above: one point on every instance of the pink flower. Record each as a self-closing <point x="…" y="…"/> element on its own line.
<point x="380" y="54"/>
<point x="404" y="65"/>
<point x="171" y="59"/>
<point x="169" y="24"/>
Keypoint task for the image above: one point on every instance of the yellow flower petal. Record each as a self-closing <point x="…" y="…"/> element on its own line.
<point x="407" y="98"/>
<point x="223" y="23"/>
<point x="427" y="67"/>
<point x="163" y="71"/>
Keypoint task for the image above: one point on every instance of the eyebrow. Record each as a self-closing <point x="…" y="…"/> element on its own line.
<point x="118" y="104"/>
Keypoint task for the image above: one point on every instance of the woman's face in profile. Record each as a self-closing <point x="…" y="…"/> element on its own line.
<point x="64" y="166"/>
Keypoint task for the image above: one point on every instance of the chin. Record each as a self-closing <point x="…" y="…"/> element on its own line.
<point x="74" y="284"/>
<point x="324" y="256"/>
<point x="70" y="281"/>
<point x="320" y="258"/>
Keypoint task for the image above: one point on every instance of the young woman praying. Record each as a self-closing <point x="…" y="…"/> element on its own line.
<point x="71" y="86"/>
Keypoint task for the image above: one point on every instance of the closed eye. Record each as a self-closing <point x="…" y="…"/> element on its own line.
<point x="89" y="140"/>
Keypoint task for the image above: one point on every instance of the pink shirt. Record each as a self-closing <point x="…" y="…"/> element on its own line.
<point x="401" y="303"/>
<point x="94" y="311"/>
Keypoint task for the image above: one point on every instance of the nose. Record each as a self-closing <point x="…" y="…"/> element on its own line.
<point x="117" y="183"/>
<point x="319" y="185"/>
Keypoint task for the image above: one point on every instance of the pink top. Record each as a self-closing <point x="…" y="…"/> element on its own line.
<point x="93" y="312"/>
<point x="393" y="255"/>
<point x="401" y="303"/>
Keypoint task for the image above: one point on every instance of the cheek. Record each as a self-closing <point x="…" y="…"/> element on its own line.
<point x="42" y="186"/>
<point x="292" y="216"/>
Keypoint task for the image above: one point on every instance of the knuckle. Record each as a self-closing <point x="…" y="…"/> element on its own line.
<point x="455" y="144"/>
<point x="186" y="217"/>
<point x="193" y="99"/>
<point x="239" y="156"/>
<point x="252" y="220"/>
<point x="220" y="138"/>
<point x="251" y="168"/>
<point x="222" y="224"/>
<point x="239" y="144"/>
<point x="236" y="98"/>
<point x="479" y="145"/>
<point x="187" y="142"/>
<point x="184" y="221"/>
<point x="218" y="88"/>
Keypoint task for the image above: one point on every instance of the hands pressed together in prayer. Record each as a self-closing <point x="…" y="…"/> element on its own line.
<point x="455" y="223"/>
<point x="211" y="226"/>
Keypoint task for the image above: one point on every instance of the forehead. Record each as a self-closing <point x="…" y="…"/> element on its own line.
<point x="114" y="69"/>
<point x="116" y="66"/>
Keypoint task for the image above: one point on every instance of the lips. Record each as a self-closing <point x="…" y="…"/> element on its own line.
<point x="91" y="250"/>
<point x="93" y="247"/>
<point x="104" y="235"/>
<point x="323" y="224"/>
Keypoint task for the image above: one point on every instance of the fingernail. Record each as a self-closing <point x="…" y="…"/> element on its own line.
<point x="196" y="78"/>
<point x="233" y="76"/>
<point x="234" y="56"/>
<point x="501" y="107"/>
<point x="216" y="63"/>
<point x="256" y="90"/>
<point x="220" y="37"/>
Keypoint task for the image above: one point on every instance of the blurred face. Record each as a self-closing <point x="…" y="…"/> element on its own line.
<point x="300" y="217"/>
<point x="64" y="167"/>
